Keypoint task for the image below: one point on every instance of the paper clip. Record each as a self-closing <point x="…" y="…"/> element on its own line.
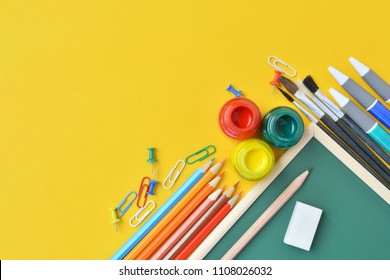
<point x="123" y="211"/>
<point x="143" y="186"/>
<point x="274" y="61"/>
<point x="138" y="219"/>
<point x="175" y="171"/>
<point x="205" y="150"/>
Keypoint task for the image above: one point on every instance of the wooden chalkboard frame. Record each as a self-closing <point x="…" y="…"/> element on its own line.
<point x="312" y="131"/>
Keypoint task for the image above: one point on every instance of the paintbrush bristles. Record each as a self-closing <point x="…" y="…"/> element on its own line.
<point x="310" y="84"/>
<point x="289" y="85"/>
<point x="289" y="98"/>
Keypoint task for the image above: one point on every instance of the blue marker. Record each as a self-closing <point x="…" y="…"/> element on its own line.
<point x="371" y="127"/>
<point x="369" y="102"/>
<point x="161" y="212"/>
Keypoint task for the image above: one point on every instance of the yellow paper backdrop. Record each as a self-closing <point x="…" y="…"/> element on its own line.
<point x="87" y="86"/>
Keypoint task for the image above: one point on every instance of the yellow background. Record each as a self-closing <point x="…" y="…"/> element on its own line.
<point x="87" y="86"/>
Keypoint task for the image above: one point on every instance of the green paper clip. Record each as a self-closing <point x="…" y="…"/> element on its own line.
<point x="208" y="151"/>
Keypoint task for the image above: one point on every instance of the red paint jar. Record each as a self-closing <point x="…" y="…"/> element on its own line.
<point x="240" y="118"/>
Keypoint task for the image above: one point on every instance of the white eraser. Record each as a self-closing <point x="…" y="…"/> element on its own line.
<point x="303" y="225"/>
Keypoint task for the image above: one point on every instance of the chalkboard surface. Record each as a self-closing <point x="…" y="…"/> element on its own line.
<point x="355" y="222"/>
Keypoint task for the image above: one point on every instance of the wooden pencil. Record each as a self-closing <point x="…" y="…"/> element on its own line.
<point x="179" y="218"/>
<point x="210" y="174"/>
<point x="205" y="231"/>
<point x="266" y="216"/>
<point x="200" y="223"/>
<point x="186" y="225"/>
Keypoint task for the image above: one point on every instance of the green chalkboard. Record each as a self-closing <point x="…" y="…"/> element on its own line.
<point x="355" y="222"/>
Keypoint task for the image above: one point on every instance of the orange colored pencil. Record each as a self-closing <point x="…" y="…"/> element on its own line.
<point x="155" y="231"/>
<point x="186" y="225"/>
<point x="205" y="231"/>
<point x="200" y="223"/>
<point x="179" y="219"/>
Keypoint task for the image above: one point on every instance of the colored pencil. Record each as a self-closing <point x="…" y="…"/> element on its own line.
<point x="186" y="225"/>
<point x="381" y="87"/>
<point x="200" y="223"/>
<point x="266" y="216"/>
<point x="173" y="211"/>
<point x="370" y="126"/>
<point x="205" y="231"/>
<point x="350" y="121"/>
<point x="179" y="218"/>
<point x="363" y="97"/>
<point x="162" y="211"/>
<point x="364" y="152"/>
<point x="333" y="136"/>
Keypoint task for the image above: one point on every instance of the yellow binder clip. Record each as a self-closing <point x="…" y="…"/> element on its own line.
<point x="145" y="214"/>
<point x="174" y="174"/>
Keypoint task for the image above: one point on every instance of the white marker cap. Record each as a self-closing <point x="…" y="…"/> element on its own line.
<point x="340" y="77"/>
<point x="341" y="99"/>
<point x="359" y="67"/>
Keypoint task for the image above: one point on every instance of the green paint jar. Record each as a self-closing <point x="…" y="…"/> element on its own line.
<point x="282" y="127"/>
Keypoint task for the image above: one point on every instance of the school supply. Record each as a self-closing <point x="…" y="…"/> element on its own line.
<point x="174" y="174"/>
<point x="161" y="212"/>
<point x="152" y="158"/>
<point x="201" y="154"/>
<point x="172" y="211"/>
<point x="145" y="211"/>
<point x="143" y="192"/>
<point x="120" y="210"/>
<point x="266" y="216"/>
<point x="364" y="98"/>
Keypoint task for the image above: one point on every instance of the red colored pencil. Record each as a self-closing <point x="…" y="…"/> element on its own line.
<point x="205" y="231"/>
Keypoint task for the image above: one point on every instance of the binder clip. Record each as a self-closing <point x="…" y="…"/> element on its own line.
<point x="145" y="214"/>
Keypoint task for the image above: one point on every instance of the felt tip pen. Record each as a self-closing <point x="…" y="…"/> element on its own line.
<point x="369" y="102"/>
<point x="370" y="126"/>
<point x="381" y="87"/>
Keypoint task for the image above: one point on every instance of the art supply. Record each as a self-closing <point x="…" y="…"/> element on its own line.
<point x="286" y="69"/>
<point x="170" y="213"/>
<point x="201" y="154"/>
<point x="266" y="216"/>
<point x="240" y="118"/>
<point x="369" y="102"/>
<point x="252" y="158"/>
<point x="302" y="226"/>
<point x="161" y="212"/>
<point x="174" y="174"/>
<point x="205" y="231"/>
<point x="282" y="127"/>
<point x="372" y="79"/>
<point x="143" y="192"/>
<point x="333" y="137"/>
<point x="145" y="210"/>
<point x="152" y="184"/>
<point x="152" y="158"/>
<point x="348" y="121"/>
<point x="369" y="126"/>
<point x="179" y="219"/>
<point x="200" y="223"/>
<point x="186" y="225"/>
<point x="344" y="127"/>
<point x="363" y="151"/>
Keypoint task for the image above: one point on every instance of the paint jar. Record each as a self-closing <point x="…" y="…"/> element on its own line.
<point x="282" y="127"/>
<point x="252" y="158"/>
<point x="240" y="118"/>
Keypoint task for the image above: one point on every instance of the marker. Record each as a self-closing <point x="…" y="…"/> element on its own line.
<point x="372" y="79"/>
<point x="369" y="102"/>
<point x="370" y="126"/>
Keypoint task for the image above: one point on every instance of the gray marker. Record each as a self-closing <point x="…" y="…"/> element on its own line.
<point x="372" y="79"/>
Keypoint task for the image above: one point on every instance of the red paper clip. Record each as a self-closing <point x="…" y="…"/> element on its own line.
<point x="143" y="186"/>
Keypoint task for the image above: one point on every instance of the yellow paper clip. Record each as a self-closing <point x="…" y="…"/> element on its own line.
<point x="201" y="154"/>
<point x="138" y="219"/>
<point x="175" y="172"/>
<point x="274" y="61"/>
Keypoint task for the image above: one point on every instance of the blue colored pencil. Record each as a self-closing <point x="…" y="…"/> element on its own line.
<point x="161" y="212"/>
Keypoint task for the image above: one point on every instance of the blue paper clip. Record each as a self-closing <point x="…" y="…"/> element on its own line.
<point x="202" y="154"/>
<point x="119" y="207"/>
